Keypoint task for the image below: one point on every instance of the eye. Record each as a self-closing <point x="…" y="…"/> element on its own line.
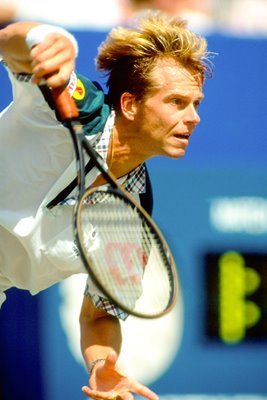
<point x="178" y="102"/>
<point x="197" y="104"/>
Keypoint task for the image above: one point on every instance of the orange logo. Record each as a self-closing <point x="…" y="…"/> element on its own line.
<point x="79" y="92"/>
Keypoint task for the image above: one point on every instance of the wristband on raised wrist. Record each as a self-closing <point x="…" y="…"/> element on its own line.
<point x="39" y="32"/>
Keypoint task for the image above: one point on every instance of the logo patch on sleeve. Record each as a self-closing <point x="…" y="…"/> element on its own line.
<point x="79" y="92"/>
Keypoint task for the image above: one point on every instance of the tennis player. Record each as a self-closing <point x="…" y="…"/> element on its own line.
<point x="155" y="73"/>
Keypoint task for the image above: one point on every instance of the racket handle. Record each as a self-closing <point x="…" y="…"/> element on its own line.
<point x="65" y="104"/>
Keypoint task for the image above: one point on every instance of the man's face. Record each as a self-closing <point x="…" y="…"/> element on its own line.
<point x="167" y="118"/>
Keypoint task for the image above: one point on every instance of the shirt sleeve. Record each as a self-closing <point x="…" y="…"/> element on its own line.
<point x="105" y="304"/>
<point x="28" y="101"/>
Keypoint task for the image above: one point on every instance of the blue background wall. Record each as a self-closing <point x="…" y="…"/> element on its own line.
<point x="226" y="160"/>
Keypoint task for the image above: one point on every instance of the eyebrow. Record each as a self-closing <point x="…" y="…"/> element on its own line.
<point x="184" y="96"/>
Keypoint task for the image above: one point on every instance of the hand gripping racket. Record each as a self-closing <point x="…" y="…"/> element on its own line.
<point x="121" y="247"/>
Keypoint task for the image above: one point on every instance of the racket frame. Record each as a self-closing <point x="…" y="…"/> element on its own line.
<point x="66" y="107"/>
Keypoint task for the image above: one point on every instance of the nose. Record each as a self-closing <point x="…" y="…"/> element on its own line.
<point x="191" y="115"/>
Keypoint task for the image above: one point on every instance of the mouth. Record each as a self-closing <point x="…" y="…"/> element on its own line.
<point x="182" y="136"/>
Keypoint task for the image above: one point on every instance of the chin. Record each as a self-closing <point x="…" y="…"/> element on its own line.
<point x="175" y="153"/>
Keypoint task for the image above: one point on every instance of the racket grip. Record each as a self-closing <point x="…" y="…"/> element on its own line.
<point x="64" y="103"/>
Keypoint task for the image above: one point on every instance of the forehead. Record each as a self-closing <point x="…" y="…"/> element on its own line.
<point x="168" y="74"/>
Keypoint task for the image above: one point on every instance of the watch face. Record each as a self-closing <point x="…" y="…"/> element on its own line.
<point x="236" y="300"/>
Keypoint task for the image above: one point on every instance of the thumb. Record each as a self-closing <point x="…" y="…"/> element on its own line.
<point x="111" y="362"/>
<point x="111" y="359"/>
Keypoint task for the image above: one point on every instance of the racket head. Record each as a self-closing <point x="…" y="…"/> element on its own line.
<point x="125" y="253"/>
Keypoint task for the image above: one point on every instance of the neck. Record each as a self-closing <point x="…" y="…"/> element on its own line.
<point x="125" y="150"/>
<point x="123" y="154"/>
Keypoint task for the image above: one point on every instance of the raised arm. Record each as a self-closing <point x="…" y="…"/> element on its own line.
<point x="44" y="51"/>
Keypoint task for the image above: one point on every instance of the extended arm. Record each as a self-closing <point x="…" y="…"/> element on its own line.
<point x="98" y="331"/>
<point x="101" y="340"/>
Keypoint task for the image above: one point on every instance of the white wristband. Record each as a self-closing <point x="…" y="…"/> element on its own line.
<point x="39" y="32"/>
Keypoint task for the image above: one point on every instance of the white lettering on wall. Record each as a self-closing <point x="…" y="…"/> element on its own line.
<point x="239" y="215"/>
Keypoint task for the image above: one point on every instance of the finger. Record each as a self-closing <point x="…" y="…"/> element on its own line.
<point x="49" y="59"/>
<point x="97" y="395"/>
<point x="112" y="395"/>
<point x="125" y="396"/>
<point x="48" y="63"/>
<point x="59" y="79"/>
<point x="54" y="80"/>
<point x="57" y="60"/>
<point x="55" y="73"/>
<point x="52" y="45"/>
<point x="88" y="393"/>
<point x="144" y="391"/>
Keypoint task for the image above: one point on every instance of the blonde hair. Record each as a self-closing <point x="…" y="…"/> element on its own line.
<point x="128" y="55"/>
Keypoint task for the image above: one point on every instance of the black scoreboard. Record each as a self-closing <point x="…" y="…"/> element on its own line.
<point x="236" y="296"/>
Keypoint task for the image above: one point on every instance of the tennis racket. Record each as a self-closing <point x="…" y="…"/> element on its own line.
<point x="121" y="247"/>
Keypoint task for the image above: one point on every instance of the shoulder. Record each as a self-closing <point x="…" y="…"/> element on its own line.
<point x="91" y="102"/>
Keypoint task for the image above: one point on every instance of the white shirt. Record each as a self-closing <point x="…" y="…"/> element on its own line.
<point x="36" y="162"/>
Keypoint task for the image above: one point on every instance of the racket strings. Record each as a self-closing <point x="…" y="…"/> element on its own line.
<point x="127" y="256"/>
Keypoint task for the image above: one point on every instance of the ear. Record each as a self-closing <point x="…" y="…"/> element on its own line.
<point x="128" y="105"/>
